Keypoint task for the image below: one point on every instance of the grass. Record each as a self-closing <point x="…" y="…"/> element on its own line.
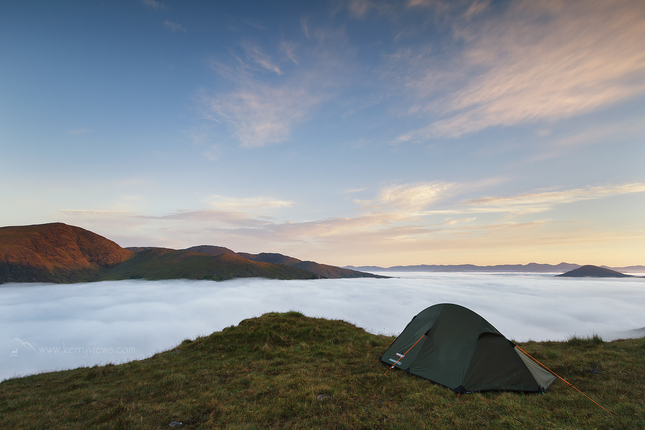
<point x="285" y="370"/>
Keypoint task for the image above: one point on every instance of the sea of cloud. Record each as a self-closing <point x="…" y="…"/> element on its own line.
<point x="50" y="327"/>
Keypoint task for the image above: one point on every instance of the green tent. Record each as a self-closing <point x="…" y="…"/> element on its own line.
<point x="453" y="346"/>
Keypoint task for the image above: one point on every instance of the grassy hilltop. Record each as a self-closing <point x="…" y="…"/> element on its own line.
<point x="290" y="371"/>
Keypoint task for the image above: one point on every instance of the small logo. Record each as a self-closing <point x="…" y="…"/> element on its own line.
<point x="16" y="341"/>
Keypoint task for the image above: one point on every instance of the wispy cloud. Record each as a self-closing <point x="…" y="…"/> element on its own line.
<point x="407" y="207"/>
<point x="174" y="26"/>
<point x="304" y="24"/>
<point x="154" y="4"/>
<point x="264" y="110"/>
<point x="539" y="61"/>
<point x="407" y="197"/>
<point x="261" y="114"/>
<point x="213" y="218"/>
<point x="603" y="132"/>
<point x="476" y="8"/>
<point x="358" y="8"/>
<point x="246" y="204"/>
<point x="547" y="200"/>
<point x="405" y="221"/>
<point x="95" y="212"/>
<point x="395" y="213"/>
<point x="212" y="153"/>
<point x="289" y="50"/>
<point x="255" y="54"/>
<point x="428" y="3"/>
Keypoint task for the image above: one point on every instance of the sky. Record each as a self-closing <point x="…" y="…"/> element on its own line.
<point x="45" y="327"/>
<point x="360" y="132"/>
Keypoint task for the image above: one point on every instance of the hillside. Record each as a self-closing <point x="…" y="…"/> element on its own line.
<point x="271" y="257"/>
<point x="590" y="271"/>
<point x="320" y="270"/>
<point x="528" y="268"/>
<point x="326" y="271"/>
<point x="160" y="263"/>
<point x="290" y="371"/>
<point x="60" y="253"/>
<point x="210" y="250"/>
<point x="55" y="253"/>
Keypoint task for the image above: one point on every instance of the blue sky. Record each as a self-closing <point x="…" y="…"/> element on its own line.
<point x="346" y="132"/>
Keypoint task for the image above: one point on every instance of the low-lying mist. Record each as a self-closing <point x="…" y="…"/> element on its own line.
<point x="51" y="327"/>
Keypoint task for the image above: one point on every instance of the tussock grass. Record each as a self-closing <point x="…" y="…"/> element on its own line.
<point x="285" y="370"/>
<point x="580" y="341"/>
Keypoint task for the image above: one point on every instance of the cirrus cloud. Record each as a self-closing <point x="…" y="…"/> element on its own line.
<point x="407" y="197"/>
<point x="260" y="114"/>
<point x="546" y="200"/>
<point x="539" y="61"/>
<point x="249" y="204"/>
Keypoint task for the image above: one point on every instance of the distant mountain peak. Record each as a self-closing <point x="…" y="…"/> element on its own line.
<point x="590" y="271"/>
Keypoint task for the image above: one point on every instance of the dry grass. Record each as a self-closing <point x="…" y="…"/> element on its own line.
<point x="290" y="371"/>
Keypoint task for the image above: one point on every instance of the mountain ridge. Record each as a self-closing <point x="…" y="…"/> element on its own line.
<point x="164" y="263"/>
<point x="521" y="268"/>
<point x="60" y="253"/>
<point x="322" y="270"/>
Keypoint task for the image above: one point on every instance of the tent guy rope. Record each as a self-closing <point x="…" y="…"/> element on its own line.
<point x="564" y="380"/>
<point x="401" y="356"/>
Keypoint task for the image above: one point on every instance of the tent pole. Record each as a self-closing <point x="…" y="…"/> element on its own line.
<point x="565" y="381"/>
<point x="401" y="357"/>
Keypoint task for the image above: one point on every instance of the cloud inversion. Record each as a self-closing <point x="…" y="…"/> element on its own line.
<point x="85" y="324"/>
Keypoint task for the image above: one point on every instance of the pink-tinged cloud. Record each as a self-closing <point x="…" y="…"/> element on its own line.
<point x="547" y="200"/>
<point x="540" y="61"/>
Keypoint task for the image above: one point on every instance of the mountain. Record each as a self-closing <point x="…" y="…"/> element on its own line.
<point x="55" y="253"/>
<point x="162" y="263"/>
<point x="593" y="272"/>
<point x="628" y="269"/>
<point x="60" y="253"/>
<point x="326" y="271"/>
<point x="320" y="270"/>
<point x="528" y="268"/>
<point x="210" y="250"/>
<point x="271" y="257"/>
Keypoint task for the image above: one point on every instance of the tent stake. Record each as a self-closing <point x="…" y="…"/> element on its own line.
<point x="565" y="381"/>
